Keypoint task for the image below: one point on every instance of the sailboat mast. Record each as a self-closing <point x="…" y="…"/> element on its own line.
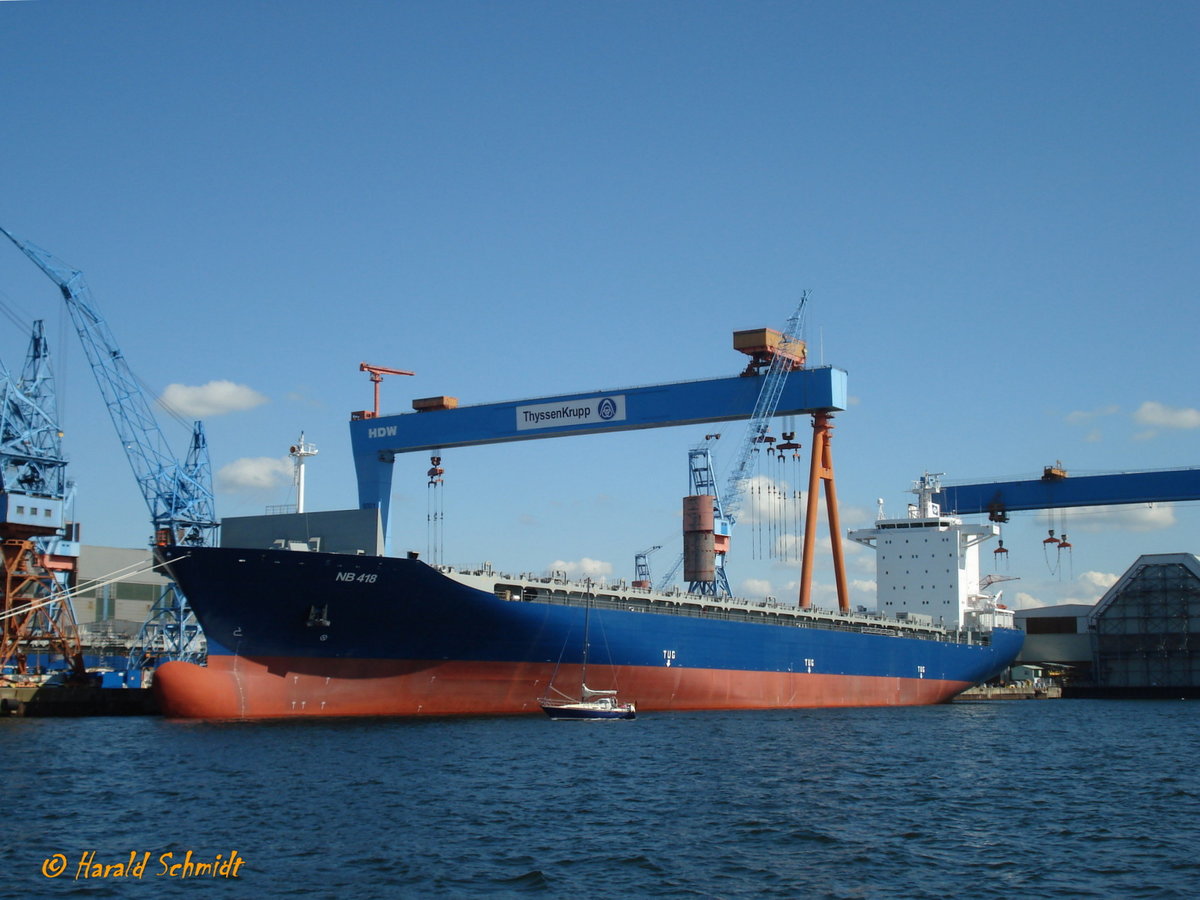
<point x="587" y="615"/>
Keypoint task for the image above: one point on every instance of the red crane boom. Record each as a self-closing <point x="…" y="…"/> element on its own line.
<point x="377" y="373"/>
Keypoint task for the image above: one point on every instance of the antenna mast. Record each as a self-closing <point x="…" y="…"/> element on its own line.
<point x="299" y="452"/>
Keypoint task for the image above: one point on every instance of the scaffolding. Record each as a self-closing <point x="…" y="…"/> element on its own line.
<point x="1146" y="629"/>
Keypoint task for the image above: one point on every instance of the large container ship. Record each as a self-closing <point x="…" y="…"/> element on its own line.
<point x="309" y="615"/>
<point x="300" y="632"/>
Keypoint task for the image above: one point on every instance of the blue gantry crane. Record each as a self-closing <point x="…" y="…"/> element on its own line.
<point x="439" y="423"/>
<point x="1058" y="490"/>
<point x="178" y="494"/>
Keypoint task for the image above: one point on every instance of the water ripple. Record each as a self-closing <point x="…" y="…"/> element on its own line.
<point x="1054" y="798"/>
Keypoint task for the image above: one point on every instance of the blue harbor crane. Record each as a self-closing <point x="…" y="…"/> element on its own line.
<point x="779" y="355"/>
<point x="641" y="567"/>
<point x="38" y="558"/>
<point x="31" y="441"/>
<point x="179" y="495"/>
<point x="703" y="483"/>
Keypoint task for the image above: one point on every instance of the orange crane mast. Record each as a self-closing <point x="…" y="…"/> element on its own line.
<point x="377" y="373"/>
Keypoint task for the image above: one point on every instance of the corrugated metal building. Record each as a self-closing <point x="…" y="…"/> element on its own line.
<point x="1142" y="639"/>
<point x="1146" y="630"/>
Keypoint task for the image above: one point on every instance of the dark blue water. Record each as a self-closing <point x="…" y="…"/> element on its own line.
<point x="1007" y="799"/>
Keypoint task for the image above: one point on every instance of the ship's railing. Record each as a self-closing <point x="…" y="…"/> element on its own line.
<point x="558" y="591"/>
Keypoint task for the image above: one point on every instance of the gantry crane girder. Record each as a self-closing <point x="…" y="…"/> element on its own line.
<point x="1056" y="490"/>
<point x="377" y="440"/>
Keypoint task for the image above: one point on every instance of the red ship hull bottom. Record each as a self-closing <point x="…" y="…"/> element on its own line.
<point x="236" y="688"/>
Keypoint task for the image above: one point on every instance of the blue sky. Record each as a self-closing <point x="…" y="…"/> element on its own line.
<point x="993" y="207"/>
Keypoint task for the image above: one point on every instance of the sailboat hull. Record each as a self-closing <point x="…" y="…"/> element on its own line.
<point x="585" y="710"/>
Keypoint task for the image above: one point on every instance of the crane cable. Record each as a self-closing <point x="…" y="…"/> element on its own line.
<point x="138" y="568"/>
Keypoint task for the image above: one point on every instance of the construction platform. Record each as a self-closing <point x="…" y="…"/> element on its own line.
<point x="75" y="700"/>
<point x="1011" y="692"/>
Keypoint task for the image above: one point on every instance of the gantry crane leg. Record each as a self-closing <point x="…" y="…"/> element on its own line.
<point x="821" y="472"/>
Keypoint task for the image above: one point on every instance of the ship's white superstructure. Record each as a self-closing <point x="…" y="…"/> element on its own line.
<point x="927" y="565"/>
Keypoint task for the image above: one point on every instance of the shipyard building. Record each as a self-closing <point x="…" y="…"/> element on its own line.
<point x="1142" y="639"/>
<point x="114" y="592"/>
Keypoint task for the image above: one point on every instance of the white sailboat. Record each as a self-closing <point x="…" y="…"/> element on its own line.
<point x="590" y="703"/>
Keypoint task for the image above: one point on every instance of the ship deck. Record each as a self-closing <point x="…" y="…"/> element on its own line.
<point x="559" y="591"/>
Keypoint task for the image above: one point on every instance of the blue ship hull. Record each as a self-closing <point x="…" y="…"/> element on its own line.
<point x="299" y="633"/>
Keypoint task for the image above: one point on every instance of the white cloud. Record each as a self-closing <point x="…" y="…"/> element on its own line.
<point x="583" y="568"/>
<point x="824" y="596"/>
<point x="787" y="546"/>
<point x="1161" y="416"/>
<point x="859" y="562"/>
<point x="863" y="593"/>
<point x="852" y="516"/>
<point x="1100" y="581"/>
<point x="754" y="588"/>
<point x="764" y="499"/>
<point x="1082" y="417"/>
<point x="255" y="474"/>
<point x="211" y="399"/>
<point x="1096" y="519"/>
<point x="301" y="398"/>
<point x="1028" y="601"/>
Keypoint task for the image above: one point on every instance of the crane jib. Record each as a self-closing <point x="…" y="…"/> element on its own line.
<point x="178" y="515"/>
